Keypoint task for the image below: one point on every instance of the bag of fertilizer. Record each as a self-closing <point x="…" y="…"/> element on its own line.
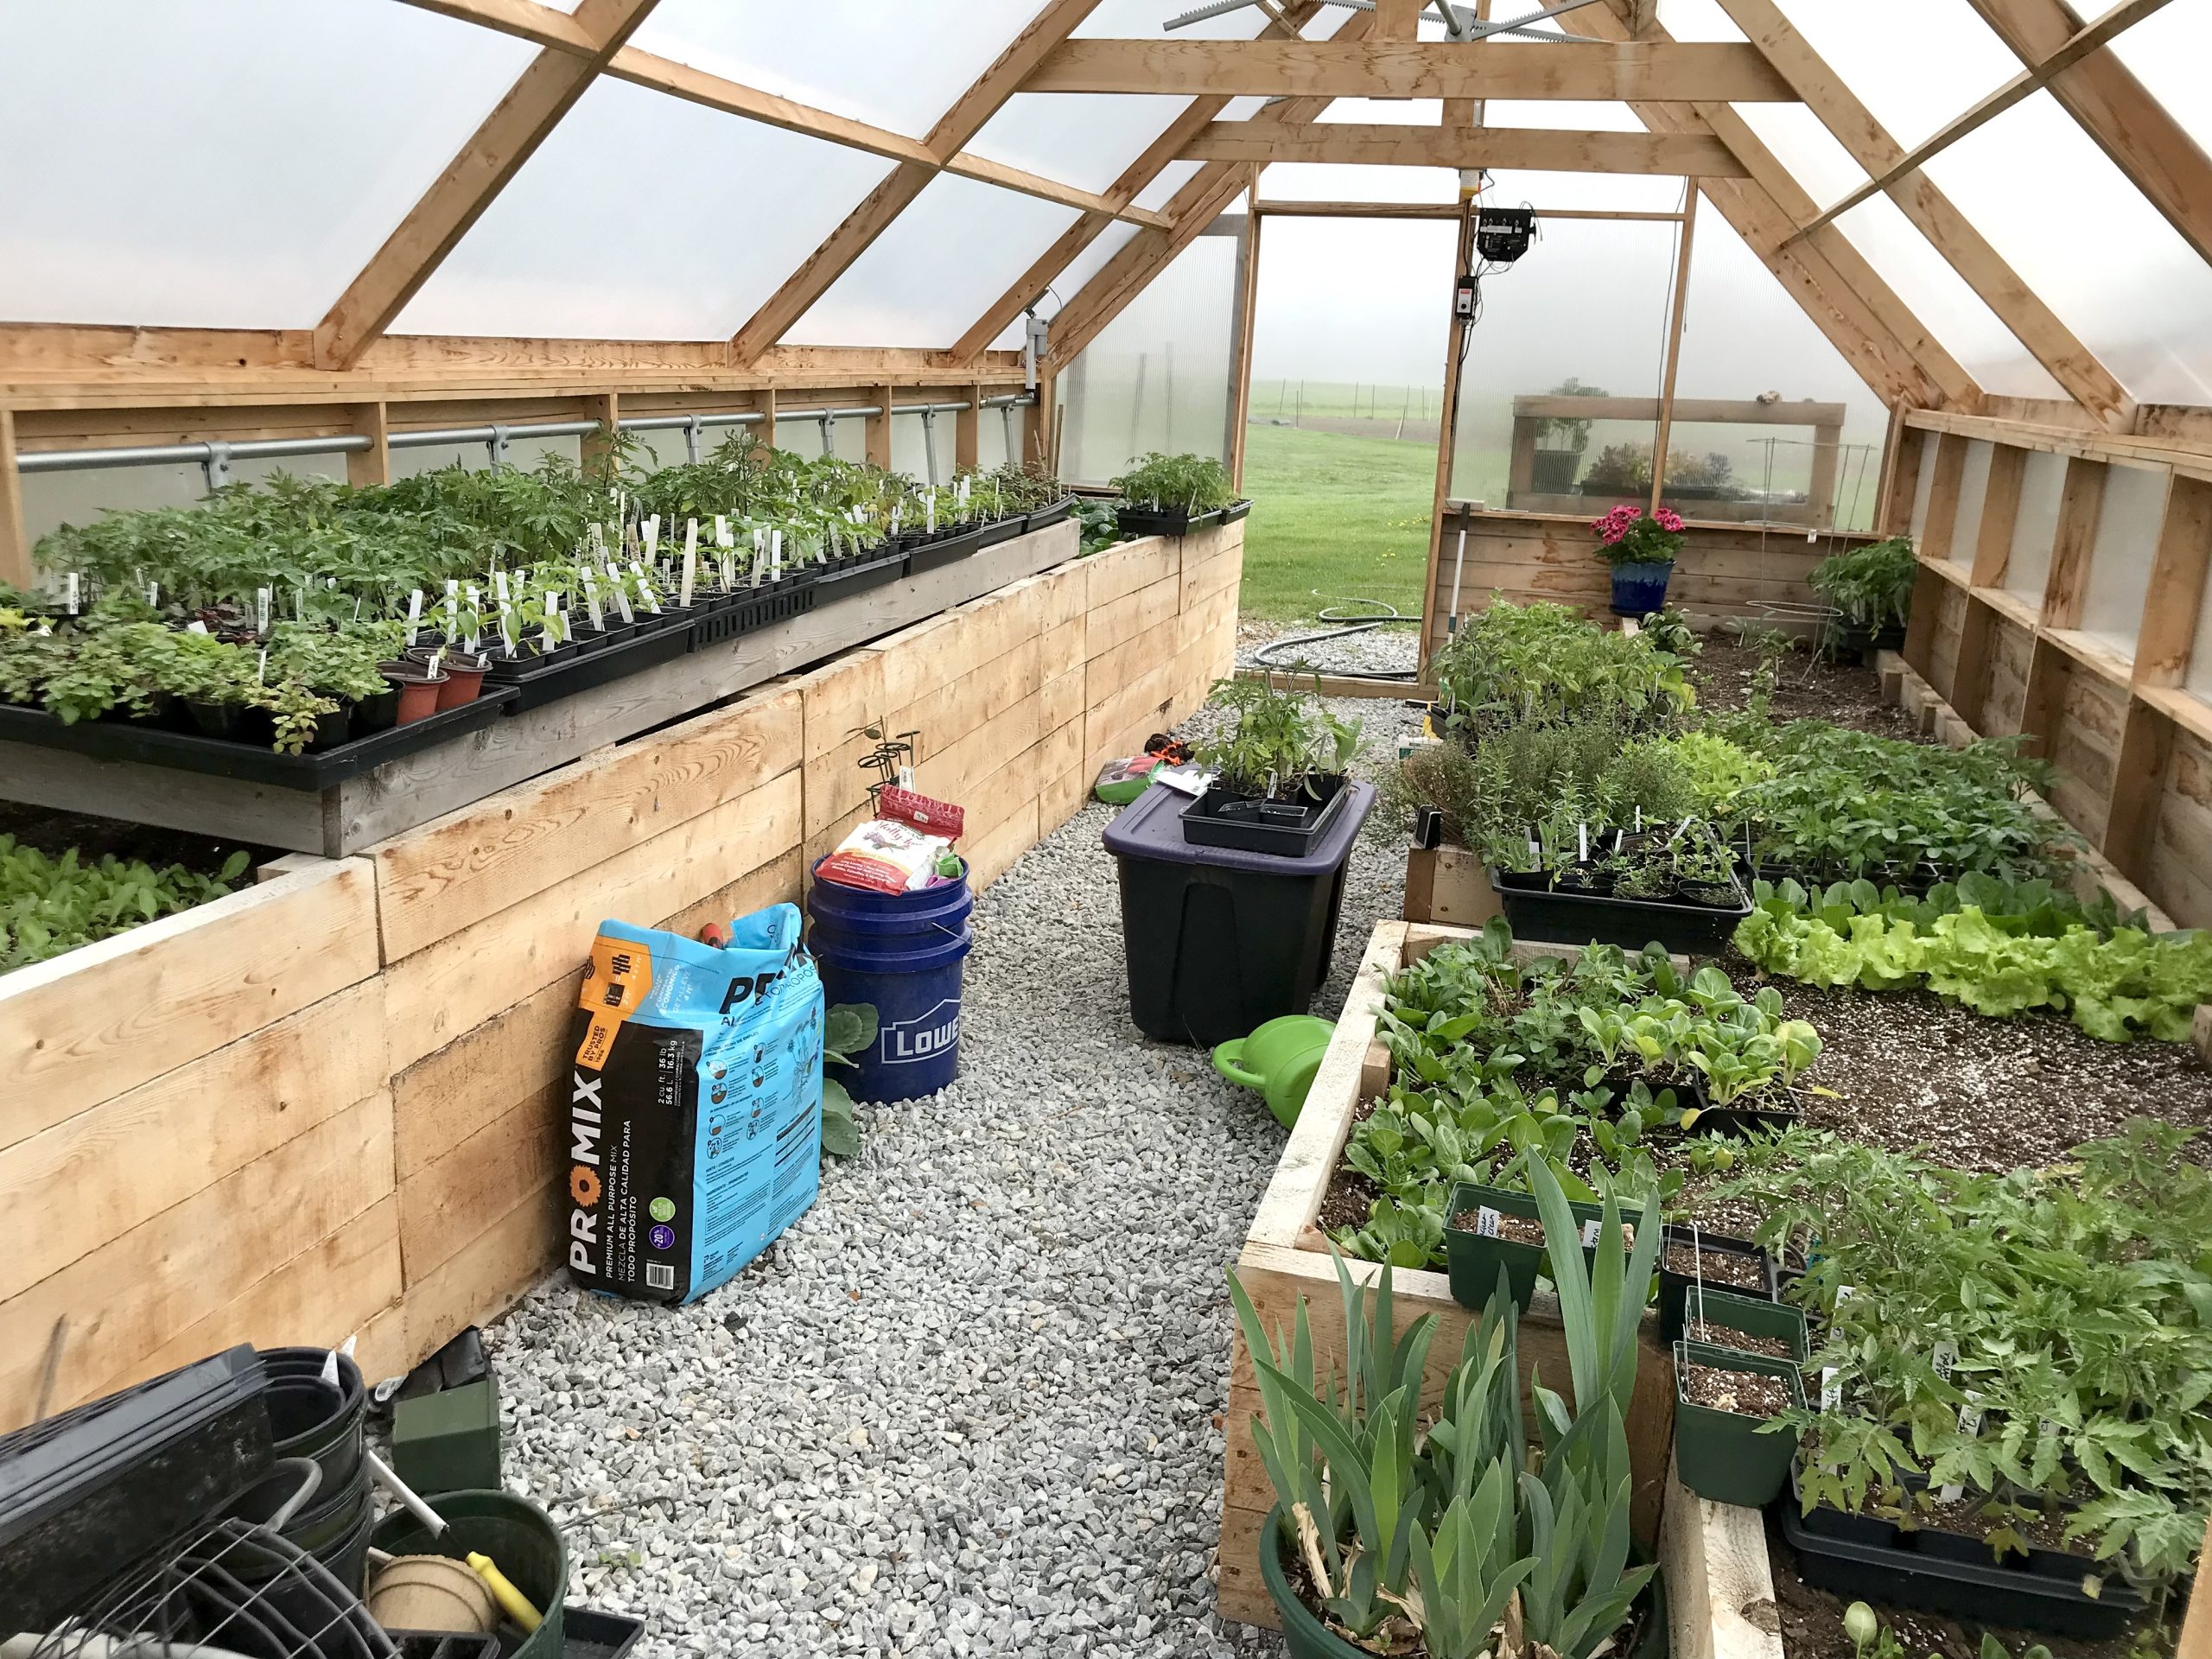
<point x="695" y="1104"/>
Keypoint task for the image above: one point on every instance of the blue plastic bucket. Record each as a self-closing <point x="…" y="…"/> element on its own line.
<point x="1640" y="589"/>
<point x="900" y="952"/>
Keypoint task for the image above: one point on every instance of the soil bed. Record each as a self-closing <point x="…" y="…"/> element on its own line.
<point x="1719" y="1268"/>
<point x="1807" y="687"/>
<point x="54" y="833"/>
<point x="1748" y="1394"/>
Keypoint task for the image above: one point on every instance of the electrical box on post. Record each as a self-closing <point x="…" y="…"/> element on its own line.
<point x="1503" y="234"/>
<point x="1466" y="299"/>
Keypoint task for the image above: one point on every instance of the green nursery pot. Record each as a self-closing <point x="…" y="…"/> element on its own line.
<point x="1722" y="1455"/>
<point x="1279" y="1060"/>
<point x="1726" y="1312"/>
<point x="521" y="1539"/>
<point x="1473" y="1258"/>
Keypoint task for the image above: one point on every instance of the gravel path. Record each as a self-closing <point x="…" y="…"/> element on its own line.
<point x="971" y="1403"/>
<point x="1390" y="650"/>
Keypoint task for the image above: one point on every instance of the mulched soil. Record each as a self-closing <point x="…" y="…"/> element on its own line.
<point x="1715" y="1267"/>
<point x="55" y="833"/>
<point x="1747" y="1394"/>
<point x="1807" y="687"/>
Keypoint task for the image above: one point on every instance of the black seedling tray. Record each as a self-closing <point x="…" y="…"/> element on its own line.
<point x="254" y="763"/>
<point x="1288" y="829"/>
<point x="1002" y="530"/>
<point x="841" y="581"/>
<point x="588" y="1633"/>
<point x="1746" y="1116"/>
<point x="535" y="687"/>
<point x="1165" y="521"/>
<point x="88" y="1491"/>
<point x="1536" y="911"/>
<point x="2042" y="1593"/>
<point x="1045" y="517"/>
<point x="775" y="603"/>
<point x="930" y="555"/>
<point x="1235" y="510"/>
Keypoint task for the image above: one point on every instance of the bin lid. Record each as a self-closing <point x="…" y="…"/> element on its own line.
<point x="1152" y="827"/>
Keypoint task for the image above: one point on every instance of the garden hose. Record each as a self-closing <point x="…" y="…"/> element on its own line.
<point x="1383" y="616"/>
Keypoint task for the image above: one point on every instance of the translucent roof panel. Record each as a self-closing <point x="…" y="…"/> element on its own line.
<point x="1822" y="167"/>
<point x="754" y="202"/>
<point x="1914" y="63"/>
<point x="168" y="174"/>
<point x="1561" y="115"/>
<point x="1332" y="181"/>
<point x="1625" y="192"/>
<point x="1943" y="303"/>
<point x="2139" y="296"/>
<point x="1085" y="139"/>
<point x="896" y="67"/>
<point x="1697" y="20"/>
<point x="927" y="278"/>
<point x="2168" y="51"/>
<point x="1128" y="20"/>
<point x="1069" y="282"/>
<point x="1173" y="177"/>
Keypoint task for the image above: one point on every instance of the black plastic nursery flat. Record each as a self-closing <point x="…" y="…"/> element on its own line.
<point x="752" y="609"/>
<point x="1045" y="517"/>
<point x="1537" y="910"/>
<point x="251" y="763"/>
<point x="542" y="683"/>
<point x="931" y="555"/>
<point x="1175" y="521"/>
<point x="1221" y="817"/>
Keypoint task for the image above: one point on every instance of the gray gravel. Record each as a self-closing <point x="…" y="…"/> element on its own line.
<point x="1390" y="650"/>
<point x="971" y="1403"/>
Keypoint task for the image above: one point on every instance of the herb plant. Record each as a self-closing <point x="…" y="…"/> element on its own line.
<point x="1279" y="742"/>
<point x="49" y="904"/>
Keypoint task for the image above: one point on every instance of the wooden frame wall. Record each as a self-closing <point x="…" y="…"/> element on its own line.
<point x="2130" y="745"/>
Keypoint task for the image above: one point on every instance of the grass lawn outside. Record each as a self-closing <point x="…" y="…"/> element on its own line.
<point x="1334" y="518"/>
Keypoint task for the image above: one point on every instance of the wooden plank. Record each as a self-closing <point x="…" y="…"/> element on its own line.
<point x="435" y="880"/>
<point x="15" y="539"/>
<point x="449" y="1202"/>
<point x="1683" y="242"/>
<point x="1943" y="499"/>
<point x="2167" y="639"/>
<point x="2000" y="512"/>
<point x="490" y="1274"/>
<point x="68" y="1190"/>
<point x="454" y="985"/>
<point x="2066" y="586"/>
<point x="1240" y="372"/>
<point x="444" y="1098"/>
<point x="142" y="1288"/>
<point x="1123" y="569"/>
<point x="1436" y="618"/>
<point x="87" y="1026"/>
<point x="1721" y="1599"/>
<point x="1668" y="73"/>
<point x="2138" y="775"/>
<point x="547" y="90"/>
<point x="1674" y="154"/>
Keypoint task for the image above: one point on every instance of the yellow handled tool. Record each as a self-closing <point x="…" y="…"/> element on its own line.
<point x="511" y="1601"/>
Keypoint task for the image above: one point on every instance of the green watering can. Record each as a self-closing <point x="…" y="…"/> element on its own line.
<point x="1279" y="1060"/>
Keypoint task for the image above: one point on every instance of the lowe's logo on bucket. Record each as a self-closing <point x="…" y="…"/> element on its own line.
<point x="923" y="1037"/>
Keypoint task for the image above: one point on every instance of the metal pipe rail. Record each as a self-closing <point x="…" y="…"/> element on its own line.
<point x="215" y="455"/>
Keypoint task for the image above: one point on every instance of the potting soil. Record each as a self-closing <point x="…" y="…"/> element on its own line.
<point x="695" y="1107"/>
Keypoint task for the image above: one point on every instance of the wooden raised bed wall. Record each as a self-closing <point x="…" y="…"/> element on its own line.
<point x="2062" y="594"/>
<point x="329" y="1104"/>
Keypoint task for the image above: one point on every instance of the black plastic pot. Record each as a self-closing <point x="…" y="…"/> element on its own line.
<point x="1221" y="817"/>
<point x="591" y="1634"/>
<point x="376" y="713"/>
<point x="1864" y="1531"/>
<point x="1906" y="1575"/>
<point x="1473" y="1258"/>
<point x="1675" y="1287"/>
<point x="1724" y="1455"/>
<point x="1536" y="910"/>
<point x="1746" y="1114"/>
<point x="310" y="1417"/>
<point x="333" y="729"/>
<point x="213" y="719"/>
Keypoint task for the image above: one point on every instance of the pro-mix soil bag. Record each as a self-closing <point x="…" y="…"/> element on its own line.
<point x="695" y="1104"/>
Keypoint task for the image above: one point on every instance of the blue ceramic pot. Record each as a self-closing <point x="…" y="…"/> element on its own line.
<point x="1640" y="589"/>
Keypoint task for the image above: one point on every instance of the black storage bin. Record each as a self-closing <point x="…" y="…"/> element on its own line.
<point x="1219" y="941"/>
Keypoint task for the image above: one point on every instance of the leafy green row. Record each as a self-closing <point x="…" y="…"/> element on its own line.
<point x="2042" y="1338"/>
<point x="51" y="905"/>
<point x="2116" y="982"/>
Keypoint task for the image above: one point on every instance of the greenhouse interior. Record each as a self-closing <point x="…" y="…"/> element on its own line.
<point x="1137" y="827"/>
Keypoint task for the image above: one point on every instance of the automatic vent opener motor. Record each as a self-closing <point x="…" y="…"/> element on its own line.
<point x="1036" y="342"/>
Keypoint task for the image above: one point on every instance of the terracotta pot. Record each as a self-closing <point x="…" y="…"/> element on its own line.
<point x="461" y="685"/>
<point x="418" y="694"/>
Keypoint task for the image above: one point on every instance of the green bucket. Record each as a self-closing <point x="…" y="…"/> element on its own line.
<point x="519" y="1537"/>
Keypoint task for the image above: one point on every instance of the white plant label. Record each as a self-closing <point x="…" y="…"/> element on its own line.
<point x="195" y="628"/>
<point x="775" y="555"/>
<point x="261" y="598"/>
<point x="499" y="587"/>
<point x="645" y="588"/>
<point x="414" y="614"/>
<point x="1831" y="1390"/>
<point x="653" y="539"/>
<point x="556" y="621"/>
<point x="71" y="589"/>
<point x="691" y="564"/>
<point x="929" y="516"/>
<point x="1590" y="1230"/>
<point x="1946" y="1356"/>
<point x="1486" y="1221"/>
<point x="1581" y="843"/>
<point x="261" y="668"/>
<point x="621" y="598"/>
<point x="1969" y="1424"/>
<point x="154" y="595"/>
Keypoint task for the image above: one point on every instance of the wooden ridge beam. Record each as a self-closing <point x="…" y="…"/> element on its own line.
<point x="975" y="106"/>
<point x="1986" y="271"/>
<point x="1674" y="72"/>
<point x="2116" y="110"/>
<point x="547" y="89"/>
<point x="1678" y="155"/>
<point x="2094" y="38"/>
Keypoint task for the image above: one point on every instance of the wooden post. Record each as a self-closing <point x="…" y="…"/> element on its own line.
<point x="967" y="433"/>
<point x="1037" y="446"/>
<point x="1920" y="631"/>
<point x="1446" y="442"/>
<point x="879" y="429"/>
<point x="2168" y="637"/>
<point x="15" y="539"/>
<point x="1901" y="465"/>
<point x="768" y="426"/>
<point x="2000" y="511"/>
<point x="1943" y="502"/>
<point x="373" y="464"/>
<point x="1521" y="460"/>
<point x="2138" y="777"/>
<point x="598" y="447"/>
<point x="1661" y="438"/>
<point x="2048" y="669"/>
<point x="2196" y="1640"/>
<point x="2066" y="589"/>
<point x="1819" y="492"/>
<point x="1249" y="291"/>
<point x="1396" y="20"/>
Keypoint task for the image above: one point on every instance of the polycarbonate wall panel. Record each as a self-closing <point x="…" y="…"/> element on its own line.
<point x="2168" y="51"/>
<point x="1087" y="140"/>
<point x="644" y="217"/>
<point x="1923" y="484"/>
<point x="1157" y="376"/>
<point x="1697" y="20"/>
<point x="1338" y="181"/>
<point x="934" y="270"/>
<point x="1974" y="497"/>
<point x="2035" y="525"/>
<point x="1173" y="177"/>
<point x="1743" y="339"/>
<point x="1943" y="302"/>
<point x="2128" y="542"/>
<point x="1071" y="282"/>
<point x="2090" y="246"/>
<point x="896" y="67"/>
<point x="1914" y="64"/>
<point x="210" y="165"/>
<point x="1588" y="304"/>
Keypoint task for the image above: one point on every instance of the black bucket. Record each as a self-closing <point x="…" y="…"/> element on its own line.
<point x="311" y="1418"/>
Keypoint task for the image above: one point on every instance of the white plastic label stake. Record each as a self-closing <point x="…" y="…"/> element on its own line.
<point x="1486" y="1221"/>
<point x="930" y="515"/>
<point x="1831" y="1390"/>
<point x="1969" y="1424"/>
<point x="775" y="555"/>
<point x="645" y="588"/>
<point x="500" y="586"/>
<point x="591" y="601"/>
<point x="154" y="594"/>
<point x="414" y="614"/>
<point x="195" y="628"/>
<point x="1946" y="1355"/>
<point x="261" y="668"/>
<point x="556" y="619"/>
<point x="652" y="537"/>
<point x="621" y="598"/>
<point x="261" y="598"/>
<point x="1581" y="843"/>
<point x="721" y="531"/>
<point x="70" y="589"/>
<point x="1591" y="1229"/>
<point x="690" y="563"/>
